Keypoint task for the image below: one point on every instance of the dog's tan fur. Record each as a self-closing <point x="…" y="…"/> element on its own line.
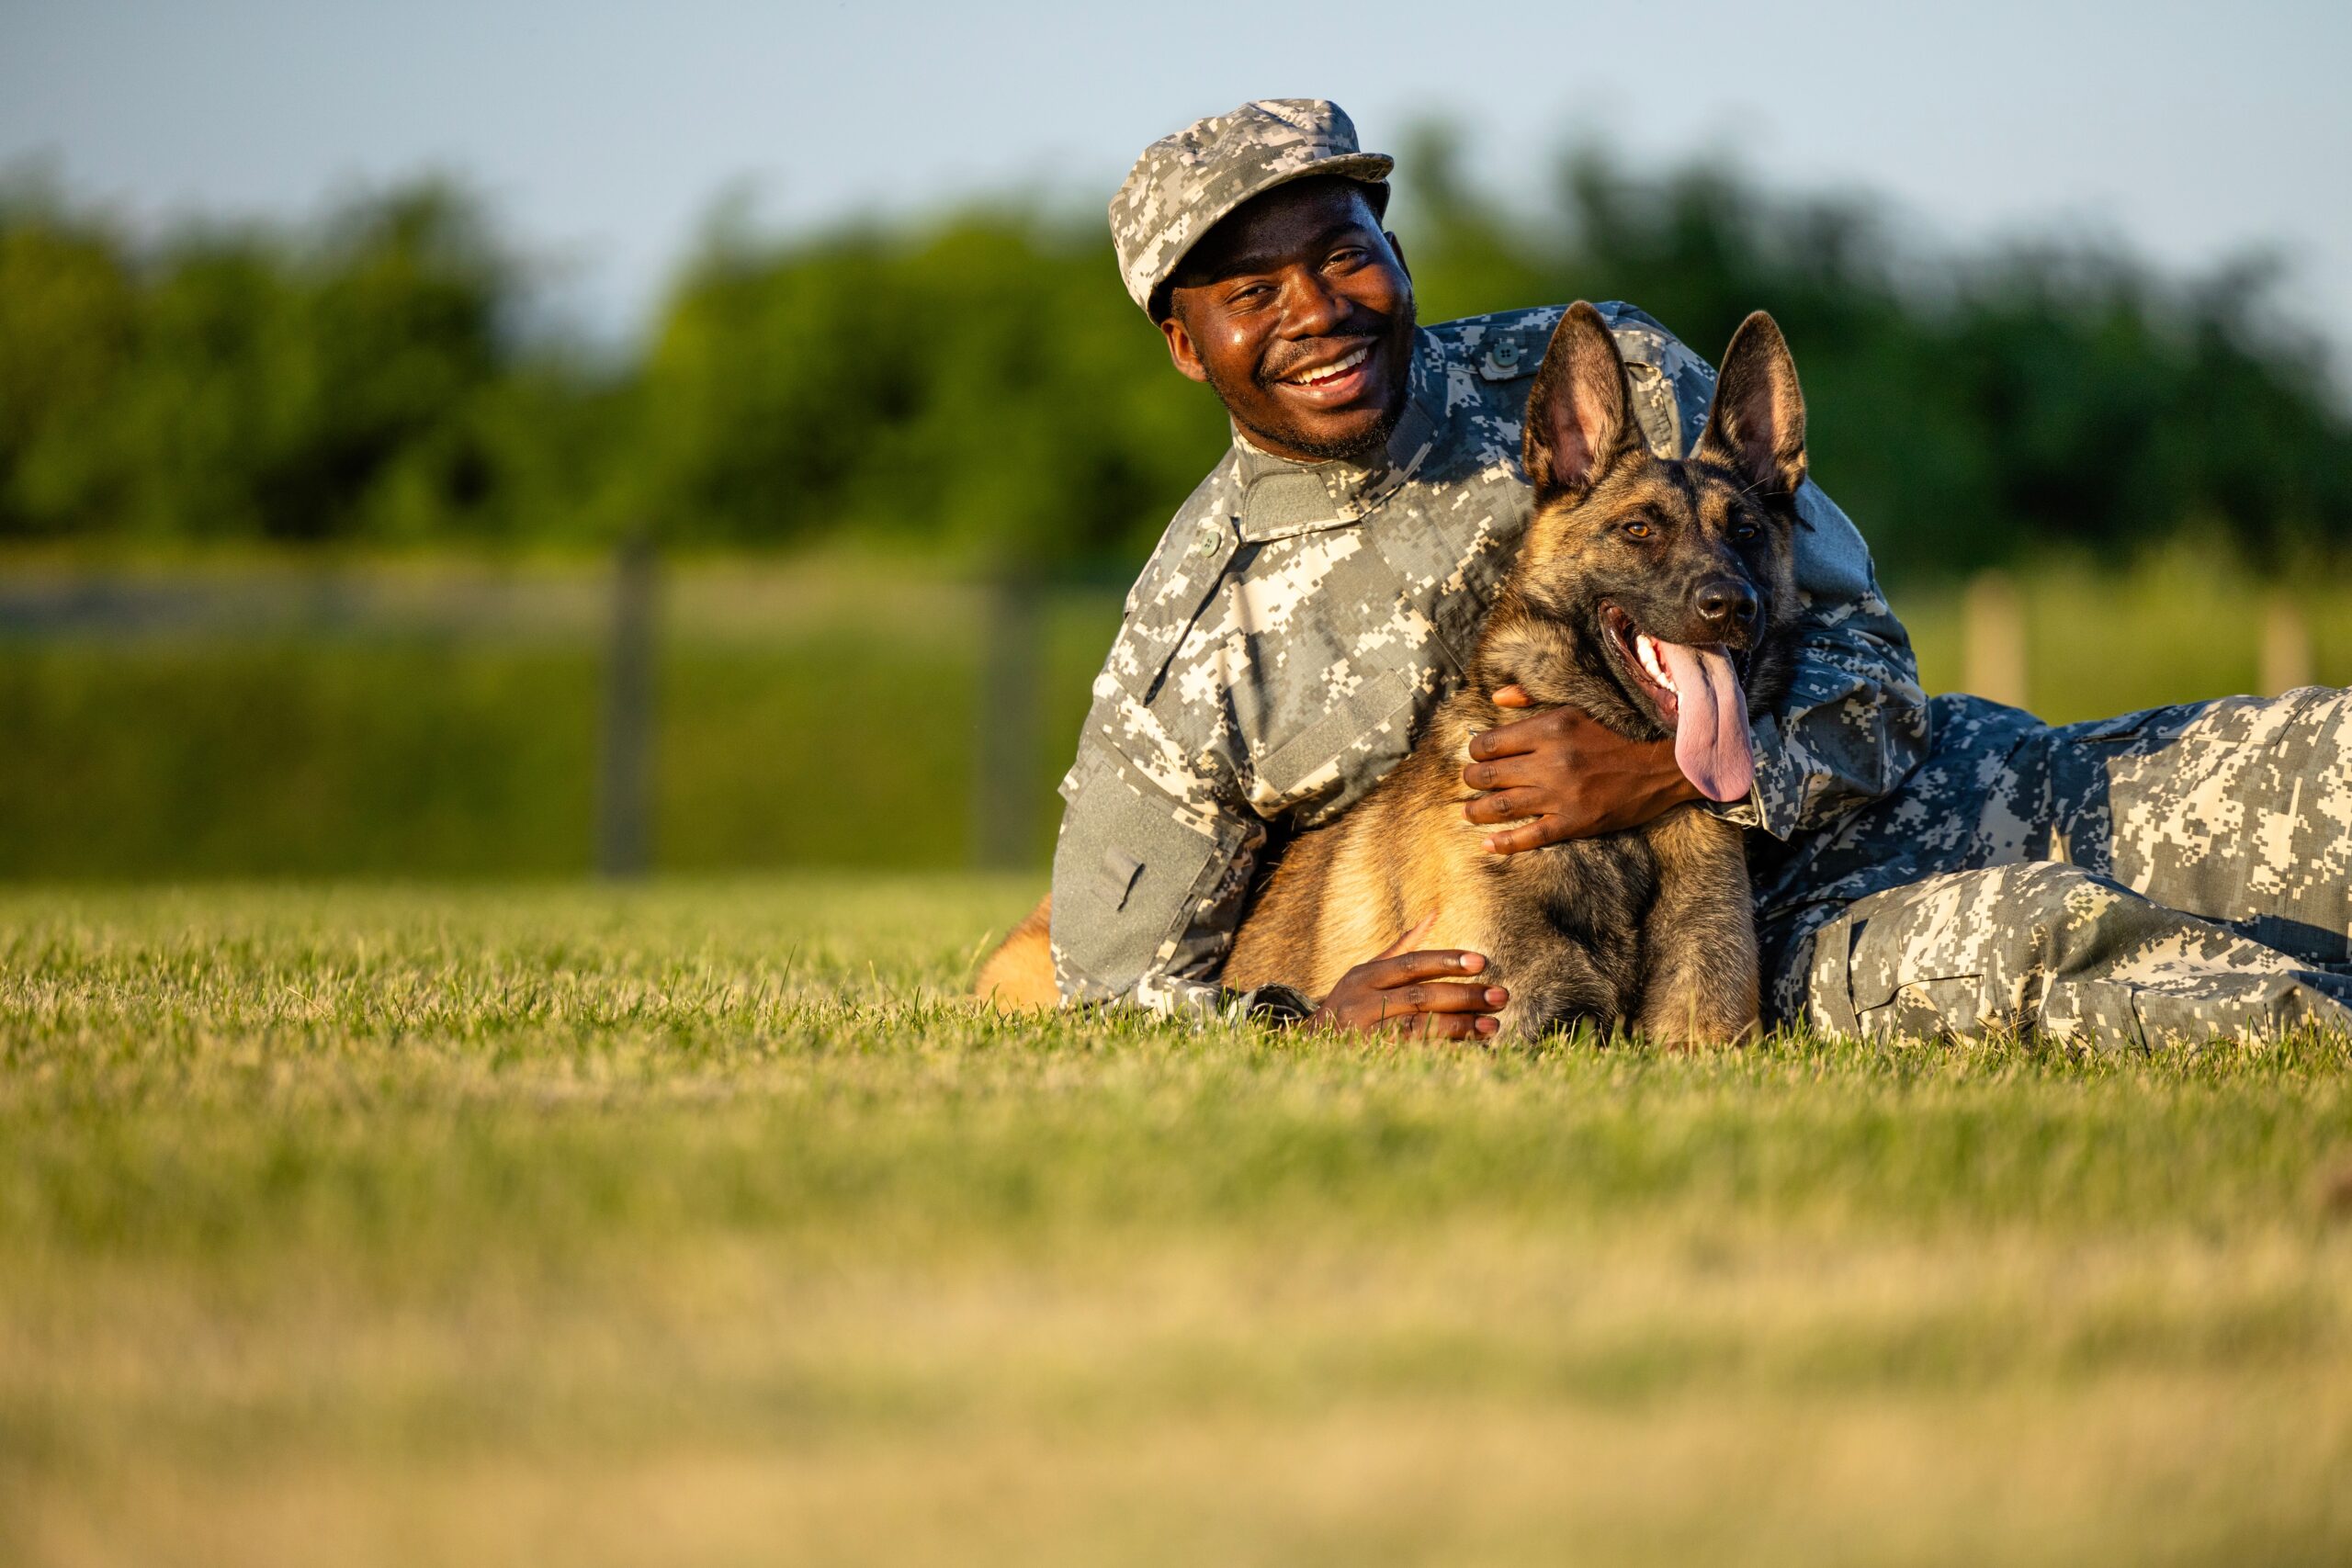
<point x="1649" y="930"/>
<point x="1019" y="976"/>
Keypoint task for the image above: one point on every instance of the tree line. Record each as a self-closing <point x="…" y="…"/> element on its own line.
<point x="976" y="384"/>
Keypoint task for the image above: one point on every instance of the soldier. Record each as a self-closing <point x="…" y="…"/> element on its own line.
<point x="1952" y="867"/>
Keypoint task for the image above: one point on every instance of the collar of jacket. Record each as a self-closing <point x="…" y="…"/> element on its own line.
<point x="1280" y="498"/>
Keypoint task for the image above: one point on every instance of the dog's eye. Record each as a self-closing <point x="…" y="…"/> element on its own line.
<point x="1743" y="532"/>
<point x="1637" y="529"/>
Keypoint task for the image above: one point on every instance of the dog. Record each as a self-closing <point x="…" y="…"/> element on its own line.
<point x="1656" y="594"/>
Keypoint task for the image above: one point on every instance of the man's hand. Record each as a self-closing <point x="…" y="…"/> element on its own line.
<point x="1394" y="992"/>
<point x="1574" y="775"/>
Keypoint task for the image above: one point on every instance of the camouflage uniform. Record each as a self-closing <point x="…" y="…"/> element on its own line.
<point x="2162" y="878"/>
<point x="1298" y="624"/>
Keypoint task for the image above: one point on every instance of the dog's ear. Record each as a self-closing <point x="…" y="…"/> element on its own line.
<point x="1579" y="415"/>
<point x="1756" y="423"/>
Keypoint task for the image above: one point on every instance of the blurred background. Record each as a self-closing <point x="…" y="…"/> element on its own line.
<point x="532" y="439"/>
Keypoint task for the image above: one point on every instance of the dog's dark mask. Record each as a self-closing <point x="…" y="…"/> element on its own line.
<point x="1659" y="594"/>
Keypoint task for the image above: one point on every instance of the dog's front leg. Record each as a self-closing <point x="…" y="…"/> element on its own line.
<point x="1701" y="962"/>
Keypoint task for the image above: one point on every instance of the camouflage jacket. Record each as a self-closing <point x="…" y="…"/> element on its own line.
<point x="1300" y="622"/>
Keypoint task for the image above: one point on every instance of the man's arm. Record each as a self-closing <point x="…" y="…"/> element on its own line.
<point x="1149" y="888"/>
<point x="1855" y="721"/>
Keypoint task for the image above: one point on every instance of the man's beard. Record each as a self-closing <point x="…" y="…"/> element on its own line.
<point x="1373" y="441"/>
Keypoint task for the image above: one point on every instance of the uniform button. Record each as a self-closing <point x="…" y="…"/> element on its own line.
<point x="1211" y="538"/>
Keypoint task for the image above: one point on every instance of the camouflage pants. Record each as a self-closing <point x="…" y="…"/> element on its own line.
<point x="2161" y="878"/>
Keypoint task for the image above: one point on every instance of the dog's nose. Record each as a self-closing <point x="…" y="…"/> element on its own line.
<point x="1724" y="601"/>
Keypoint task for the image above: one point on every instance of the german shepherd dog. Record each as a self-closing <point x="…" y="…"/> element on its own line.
<point x="1658" y="595"/>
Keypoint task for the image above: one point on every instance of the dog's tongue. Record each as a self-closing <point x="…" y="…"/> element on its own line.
<point x="1711" y="721"/>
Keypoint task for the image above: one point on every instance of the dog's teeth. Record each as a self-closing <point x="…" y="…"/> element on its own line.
<point x="1647" y="648"/>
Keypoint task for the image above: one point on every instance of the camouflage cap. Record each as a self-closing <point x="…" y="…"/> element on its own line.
<point x="1184" y="182"/>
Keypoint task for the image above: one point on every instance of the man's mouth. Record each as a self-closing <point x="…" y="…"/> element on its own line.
<point x="1339" y="380"/>
<point x="1697" y="691"/>
<point x="1316" y="374"/>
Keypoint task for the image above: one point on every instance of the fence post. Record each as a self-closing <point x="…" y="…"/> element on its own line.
<point x="1992" y="639"/>
<point x="625" y="781"/>
<point x="1005" y="785"/>
<point x="2286" y="645"/>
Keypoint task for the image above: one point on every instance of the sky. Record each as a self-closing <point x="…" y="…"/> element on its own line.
<point x="605" y="134"/>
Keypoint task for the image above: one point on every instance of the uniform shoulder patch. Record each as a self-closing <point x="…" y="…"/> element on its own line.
<point x="1214" y="500"/>
<point x="1504" y="346"/>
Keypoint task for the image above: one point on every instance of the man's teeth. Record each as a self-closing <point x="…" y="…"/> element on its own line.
<point x="1338" y="368"/>
<point x="1646" y="649"/>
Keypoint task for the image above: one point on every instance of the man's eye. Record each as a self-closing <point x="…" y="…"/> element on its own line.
<point x="1352" y="255"/>
<point x="1637" y="529"/>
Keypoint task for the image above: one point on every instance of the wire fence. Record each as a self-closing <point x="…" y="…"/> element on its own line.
<point x="446" y="717"/>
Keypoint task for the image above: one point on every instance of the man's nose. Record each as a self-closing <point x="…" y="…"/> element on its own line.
<point x="1725" y="602"/>
<point x="1313" y="308"/>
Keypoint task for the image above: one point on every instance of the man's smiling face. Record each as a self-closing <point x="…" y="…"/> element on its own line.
<point x="1296" y="309"/>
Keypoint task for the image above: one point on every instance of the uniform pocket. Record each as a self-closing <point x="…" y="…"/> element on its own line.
<point x="1371" y="728"/>
<point x="1924" y="1009"/>
<point x="1869" y="975"/>
<point x="1128" y="875"/>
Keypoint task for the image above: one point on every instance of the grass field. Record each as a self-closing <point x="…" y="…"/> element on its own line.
<point x="703" y="1224"/>
<point x="440" y="717"/>
<point x="442" y="720"/>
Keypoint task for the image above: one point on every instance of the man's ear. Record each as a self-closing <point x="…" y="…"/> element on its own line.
<point x="1180" y="352"/>
<point x="1580" y="416"/>
<point x="1756" y="422"/>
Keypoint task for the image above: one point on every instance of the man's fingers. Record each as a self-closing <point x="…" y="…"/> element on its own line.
<point x="1527" y="836"/>
<point x="1443" y="1026"/>
<point x="1514" y="739"/>
<point x="1404" y="944"/>
<point x="1446" y="996"/>
<point x="1407" y="968"/>
<point x="1512" y="696"/>
<point x="1507" y="806"/>
<point x="1509" y="772"/>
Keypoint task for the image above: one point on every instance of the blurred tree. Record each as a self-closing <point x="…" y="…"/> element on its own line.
<point x="1967" y="411"/>
<point x="978" y="384"/>
<point x="69" y="315"/>
<point x="361" y="382"/>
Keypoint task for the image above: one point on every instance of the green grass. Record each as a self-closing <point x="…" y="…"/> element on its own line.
<point x="706" y="1225"/>
<point x="439" y="731"/>
<point x="448" y="724"/>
